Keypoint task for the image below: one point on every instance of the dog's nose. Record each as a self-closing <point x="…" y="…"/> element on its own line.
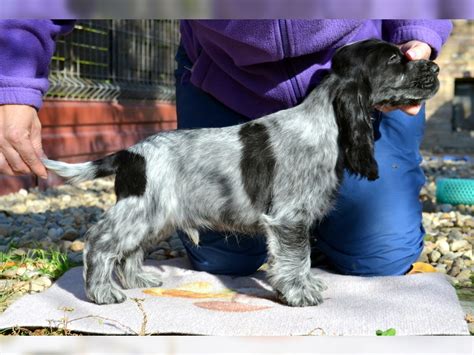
<point x="434" y="68"/>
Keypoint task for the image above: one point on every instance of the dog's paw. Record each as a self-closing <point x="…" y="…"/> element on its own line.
<point x="305" y="294"/>
<point x="145" y="280"/>
<point x="106" y="294"/>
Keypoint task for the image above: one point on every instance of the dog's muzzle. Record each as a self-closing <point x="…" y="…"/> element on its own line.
<point x="428" y="75"/>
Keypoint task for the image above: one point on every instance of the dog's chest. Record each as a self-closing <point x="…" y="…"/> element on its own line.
<point x="310" y="152"/>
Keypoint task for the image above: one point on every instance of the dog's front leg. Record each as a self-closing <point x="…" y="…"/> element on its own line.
<point x="290" y="265"/>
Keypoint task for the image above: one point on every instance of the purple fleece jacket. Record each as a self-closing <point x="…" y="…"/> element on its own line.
<point x="255" y="67"/>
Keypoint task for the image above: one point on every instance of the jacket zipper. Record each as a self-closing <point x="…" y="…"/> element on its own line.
<point x="290" y="71"/>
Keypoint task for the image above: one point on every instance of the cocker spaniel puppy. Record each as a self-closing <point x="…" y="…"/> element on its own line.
<point x="274" y="176"/>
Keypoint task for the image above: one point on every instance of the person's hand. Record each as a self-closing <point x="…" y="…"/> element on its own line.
<point x="413" y="50"/>
<point x="20" y="141"/>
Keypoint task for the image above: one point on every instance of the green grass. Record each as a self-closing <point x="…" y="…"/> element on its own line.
<point x="50" y="263"/>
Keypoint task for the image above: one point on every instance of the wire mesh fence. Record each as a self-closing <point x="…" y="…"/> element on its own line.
<point x="116" y="59"/>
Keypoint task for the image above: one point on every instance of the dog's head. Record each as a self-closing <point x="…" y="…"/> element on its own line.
<point x="374" y="73"/>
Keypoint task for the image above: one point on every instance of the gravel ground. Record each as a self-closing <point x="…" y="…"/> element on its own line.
<point x="59" y="217"/>
<point x="449" y="229"/>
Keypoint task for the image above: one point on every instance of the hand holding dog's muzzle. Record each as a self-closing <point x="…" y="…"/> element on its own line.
<point x="413" y="50"/>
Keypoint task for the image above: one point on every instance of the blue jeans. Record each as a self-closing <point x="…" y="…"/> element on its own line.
<point x="375" y="228"/>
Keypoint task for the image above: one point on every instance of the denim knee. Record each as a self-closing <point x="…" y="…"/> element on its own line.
<point x="221" y="254"/>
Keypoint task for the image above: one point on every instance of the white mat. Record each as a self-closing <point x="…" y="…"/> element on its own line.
<point x="191" y="302"/>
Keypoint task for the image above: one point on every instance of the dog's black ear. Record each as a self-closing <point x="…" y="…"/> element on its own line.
<point x="356" y="136"/>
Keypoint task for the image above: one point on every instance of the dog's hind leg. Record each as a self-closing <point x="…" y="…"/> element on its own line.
<point x="99" y="261"/>
<point x="120" y="233"/>
<point x="290" y="265"/>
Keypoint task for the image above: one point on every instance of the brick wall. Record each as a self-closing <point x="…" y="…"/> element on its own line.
<point x="76" y="131"/>
<point x="456" y="61"/>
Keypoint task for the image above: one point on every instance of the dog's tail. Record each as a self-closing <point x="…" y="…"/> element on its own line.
<point x="75" y="173"/>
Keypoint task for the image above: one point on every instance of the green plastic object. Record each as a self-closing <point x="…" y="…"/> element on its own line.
<point x="455" y="191"/>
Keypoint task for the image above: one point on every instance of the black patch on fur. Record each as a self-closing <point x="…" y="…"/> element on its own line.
<point x="356" y="137"/>
<point x="130" y="170"/>
<point x="131" y="174"/>
<point x="105" y="166"/>
<point x="257" y="165"/>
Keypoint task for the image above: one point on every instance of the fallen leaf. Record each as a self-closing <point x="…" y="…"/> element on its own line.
<point x="187" y="294"/>
<point x="199" y="286"/>
<point x="419" y="268"/>
<point x="7" y="264"/>
<point x="223" y="306"/>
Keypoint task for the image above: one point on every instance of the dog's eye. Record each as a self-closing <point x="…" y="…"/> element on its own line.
<point x="393" y="59"/>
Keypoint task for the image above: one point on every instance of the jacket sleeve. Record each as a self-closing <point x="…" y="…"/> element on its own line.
<point x="26" y="48"/>
<point x="433" y="32"/>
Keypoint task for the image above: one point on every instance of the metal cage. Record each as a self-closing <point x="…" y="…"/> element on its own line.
<point x="108" y="60"/>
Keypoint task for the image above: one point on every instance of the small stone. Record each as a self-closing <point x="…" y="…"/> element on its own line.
<point x="35" y="233"/>
<point x="469" y="223"/>
<point x="64" y="245"/>
<point x="23" y="192"/>
<point x="21" y="286"/>
<point x="9" y="273"/>
<point x="441" y="268"/>
<point x="455" y="234"/>
<point x="464" y="275"/>
<point x="443" y="246"/>
<point x="43" y="281"/>
<point x="21" y="271"/>
<point x="429" y="206"/>
<point x="47" y="244"/>
<point x="70" y="234"/>
<point x="19" y="252"/>
<point x="4" y="229"/>
<point x="446" y="261"/>
<point x="434" y="256"/>
<point x="173" y="253"/>
<point x="459" y="244"/>
<point x="449" y="255"/>
<point x="76" y="246"/>
<point x="459" y="263"/>
<point x="31" y="273"/>
<point x="429" y="246"/>
<point x="34" y="287"/>
<point x="446" y="207"/>
<point x="455" y="270"/>
<point x="468" y="255"/>
<point x="424" y="256"/>
<point x="55" y="233"/>
<point x="75" y="257"/>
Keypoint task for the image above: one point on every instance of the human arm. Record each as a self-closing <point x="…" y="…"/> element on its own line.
<point x="26" y="48"/>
